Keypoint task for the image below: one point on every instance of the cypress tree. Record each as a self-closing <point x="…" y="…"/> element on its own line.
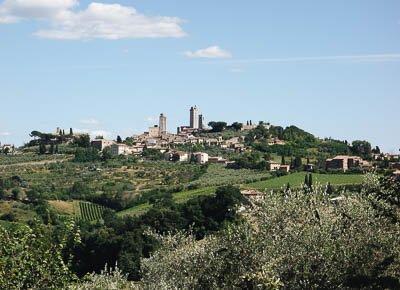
<point x="329" y="189"/>
<point x="283" y="160"/>
<point x="42" y="148"/>
<point x="71" y="132"/>
<point x="306" y="180"/>
<point x="310" y="181"/>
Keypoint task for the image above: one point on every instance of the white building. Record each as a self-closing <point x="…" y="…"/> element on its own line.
<point x="201" y="157"/>
<point x="120" y="149"/>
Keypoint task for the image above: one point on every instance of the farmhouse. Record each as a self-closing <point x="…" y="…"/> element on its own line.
<point x="253" y="194"/>
<point x="345" y="162"/>
<point x="275" y="166"/>
<point x="100" y="144"/>
<point x="177" y="156"/>
<point x="201" y="157"/>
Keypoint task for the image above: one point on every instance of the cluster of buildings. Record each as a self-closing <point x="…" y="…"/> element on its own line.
<point x="345" y="163"/>
<point x="157" y="137"/>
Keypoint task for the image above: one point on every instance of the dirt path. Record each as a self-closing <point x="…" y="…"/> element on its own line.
<point x="41" y="162"/>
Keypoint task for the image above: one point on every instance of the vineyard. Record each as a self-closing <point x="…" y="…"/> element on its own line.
<point x="88" y="211"/>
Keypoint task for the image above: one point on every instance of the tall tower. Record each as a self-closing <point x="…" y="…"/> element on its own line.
<point x="201" y="121"/>
<point x="194" y="117"/>
<point x="163" y="124"/>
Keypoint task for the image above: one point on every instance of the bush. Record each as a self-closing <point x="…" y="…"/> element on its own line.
<point x="30" y="258"/>
<point x="294" y="240"/>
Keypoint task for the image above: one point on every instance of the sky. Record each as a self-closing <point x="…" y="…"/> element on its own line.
<point x="111" y="67"/>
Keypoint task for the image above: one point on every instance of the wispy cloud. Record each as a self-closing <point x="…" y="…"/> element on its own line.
<point x="98" y="20"/>
<point x="151" y="119"/>
<point x="90" y="121"/>
<point x="94" y="133"/>
<point x="354" y="58"/>
<point x="5" y="133"/>
<point x="209" y="52"/>
<point x="236" y="70"/>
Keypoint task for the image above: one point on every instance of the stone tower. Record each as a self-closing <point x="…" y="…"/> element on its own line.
<point x="194" y="117"/>
<point x="163" y="124"/>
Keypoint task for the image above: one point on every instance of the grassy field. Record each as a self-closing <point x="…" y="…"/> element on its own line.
<point x="178" y="197"/>
<point x="297" y="179"/>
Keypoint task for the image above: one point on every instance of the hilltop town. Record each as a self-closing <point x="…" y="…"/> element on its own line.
<point x="282" y="149"/>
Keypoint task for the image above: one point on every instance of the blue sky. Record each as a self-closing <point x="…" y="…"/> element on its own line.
<point x="330" y="67"/>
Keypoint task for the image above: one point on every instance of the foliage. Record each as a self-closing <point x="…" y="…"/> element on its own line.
<point x="109" y="278"/>
<point x="361" y="148"/>
<point x="152" y="154"/>
<point x="86" y="155"/>
<point x="30" y="258"/>
<point x="217" y="126"/>
<point x="294" y="240"/>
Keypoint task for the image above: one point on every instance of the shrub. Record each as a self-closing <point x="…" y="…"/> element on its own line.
<point x="30" y="258"/>
<point x="293" y="240"/>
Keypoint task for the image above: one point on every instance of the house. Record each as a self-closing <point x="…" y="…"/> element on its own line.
<point x="345" y="162"/>
<point x="309" y="167"/>
<point x="120" y="149"/>
<point x="275" y="166"/>
<point x="396" y="175"/>
<point x="100" y="144"/>
<point x="177" y="156"/>
<point x="201" y="157"/>
<point x="284" y="168"/>
<point x="394" y="165"/>
<point x="8" y="149"/>
<point x="253" y="194"/>
<point x="276" y="141"/>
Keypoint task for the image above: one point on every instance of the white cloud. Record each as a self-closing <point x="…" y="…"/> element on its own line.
<point x="5" y="133"/>
<point x="151" y="119"/>
<point x="209" y="52"/>
<point x="16" y="10"/>
<point x="332" y="58"/>
<point x="98" y="20"/>
<point x="236" y="70"/>
<point x="90" y="121"/>
<point x="93" y="133"/>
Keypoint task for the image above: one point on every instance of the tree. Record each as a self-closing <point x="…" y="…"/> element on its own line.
<point x="237" y="126"/>
<point x="329" y="189"/>
<point x="119" y="139"/>
<point x="306" y="180"/>
<point x="83" y="141"/>
<point x="310" y="181"/>
<point x="217" y="126"/>
<point x="35" y="256"/>
<point x="361" y="148"/>
<point x="297" y="163"/>
<point x="2" y="193"/>
<point x="283" y="160"/>
<point x="42" y="149"/>
<point x="71" y="132"/>
<point x="52" y="148"/>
